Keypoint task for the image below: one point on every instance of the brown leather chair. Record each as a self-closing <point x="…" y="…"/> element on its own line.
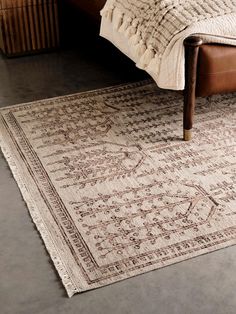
<point x="210" y="68"/>
<point x="216" y="71"/>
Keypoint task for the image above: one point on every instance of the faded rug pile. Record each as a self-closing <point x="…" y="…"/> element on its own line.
<point x="111" y="186"/>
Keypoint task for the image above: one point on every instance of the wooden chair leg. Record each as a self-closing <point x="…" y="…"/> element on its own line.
<point x="192" y="44"/>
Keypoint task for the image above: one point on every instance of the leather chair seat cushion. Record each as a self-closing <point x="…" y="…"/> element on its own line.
<point x="216" y="69"/>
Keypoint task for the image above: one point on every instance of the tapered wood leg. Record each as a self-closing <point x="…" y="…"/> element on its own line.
<point x="191" y="57"/>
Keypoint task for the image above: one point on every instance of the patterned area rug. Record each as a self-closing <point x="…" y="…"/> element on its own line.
<point x="111" y="186"/>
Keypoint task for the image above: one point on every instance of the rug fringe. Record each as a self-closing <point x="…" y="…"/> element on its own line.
<point x="69" y="285"/>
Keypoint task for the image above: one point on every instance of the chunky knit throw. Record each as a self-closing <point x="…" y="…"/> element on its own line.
<point x="150" y="25"/>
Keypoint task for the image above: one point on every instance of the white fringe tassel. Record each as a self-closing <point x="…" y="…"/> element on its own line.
<point x="126" y="23"/>
<point x="117" y="20"/>
<point x="146" y="54"/>
<point x="140" y="49"/>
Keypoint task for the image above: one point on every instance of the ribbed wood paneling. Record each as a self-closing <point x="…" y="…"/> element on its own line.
<point x="28" y="25"/>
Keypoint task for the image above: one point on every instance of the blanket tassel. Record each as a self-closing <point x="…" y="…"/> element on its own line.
<point x="140" y="48"/>
<point x="124" y="26"/>
<point x="148" y="55"/>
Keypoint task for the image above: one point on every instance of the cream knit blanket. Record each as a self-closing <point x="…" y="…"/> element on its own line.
<point x="150" y="25"/>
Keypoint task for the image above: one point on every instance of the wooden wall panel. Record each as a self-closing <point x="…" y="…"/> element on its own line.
<point x="28" y="26"/>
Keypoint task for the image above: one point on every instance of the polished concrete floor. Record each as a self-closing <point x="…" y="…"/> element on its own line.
<point x="29" y="283"/>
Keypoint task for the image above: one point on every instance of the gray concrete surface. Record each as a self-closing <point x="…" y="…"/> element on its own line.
<point x="29" y="283"/>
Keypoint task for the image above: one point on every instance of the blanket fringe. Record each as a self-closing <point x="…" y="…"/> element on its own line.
<point x="140" y="49"/>
<point x="117" y="20"/>
<point x="148" y="55"/>
<point x="144" y="52"/>
<point x="130" y="31"/>
<point x="135" y="39"/>
<point x="107" y="13"/>
<point x="124" y="25"/>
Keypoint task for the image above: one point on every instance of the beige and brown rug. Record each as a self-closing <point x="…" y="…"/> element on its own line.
<point x="111" y="186"/>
